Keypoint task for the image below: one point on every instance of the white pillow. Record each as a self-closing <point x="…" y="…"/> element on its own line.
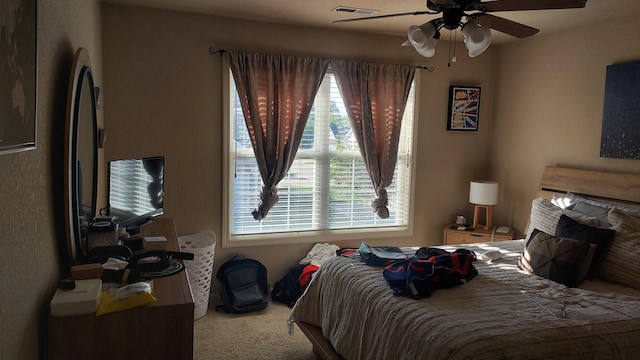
<point x="599" y="212"/>
<point x="563" y="202"/>
<point x="594" y="208"/>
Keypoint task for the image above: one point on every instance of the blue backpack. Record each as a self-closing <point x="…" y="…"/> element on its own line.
<point x="288" y="289"/>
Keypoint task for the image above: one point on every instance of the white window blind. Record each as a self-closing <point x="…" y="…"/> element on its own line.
<point x="327" y="188"/>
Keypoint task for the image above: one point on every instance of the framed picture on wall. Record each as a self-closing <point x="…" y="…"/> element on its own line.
<point x="620" y="136"/>
<point x="18" y="74"/>
<point x="464" y="108"/>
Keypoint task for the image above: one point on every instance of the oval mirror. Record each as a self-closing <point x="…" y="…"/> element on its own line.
<point x="81" y="158"/>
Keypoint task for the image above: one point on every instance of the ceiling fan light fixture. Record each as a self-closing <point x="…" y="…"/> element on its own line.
<point x="426" y="51"/>
<point x="477" y="38"/>
<point x="423" y="38"/>
<point x="474" y="53"/>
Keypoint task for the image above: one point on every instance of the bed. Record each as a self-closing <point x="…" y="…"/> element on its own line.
<point x="349" y="312"/>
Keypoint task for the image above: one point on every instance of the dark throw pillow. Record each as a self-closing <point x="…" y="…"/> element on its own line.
<point x="602" y="238"/>
<point x="555" y="258"/>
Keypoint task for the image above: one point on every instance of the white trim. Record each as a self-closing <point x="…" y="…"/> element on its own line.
<point x="303" y="237"/>
<point x="226" y="141"/>
<point x="414" y="149"/>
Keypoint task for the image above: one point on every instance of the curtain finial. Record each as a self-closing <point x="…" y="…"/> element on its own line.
<point x="214" y="51"/>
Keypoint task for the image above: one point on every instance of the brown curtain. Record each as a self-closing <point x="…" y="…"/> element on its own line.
<point x="276" y="94"/>
<point x="375" y="96"/>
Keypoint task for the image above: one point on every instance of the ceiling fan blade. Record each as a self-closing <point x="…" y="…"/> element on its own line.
<point x="518" y="5"/>
<point x="446" y="3"/>
<point x="504" y="25"/>
<point x="386" y="16"/>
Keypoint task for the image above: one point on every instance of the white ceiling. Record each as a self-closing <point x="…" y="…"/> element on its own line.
<point x="318" y="13"/>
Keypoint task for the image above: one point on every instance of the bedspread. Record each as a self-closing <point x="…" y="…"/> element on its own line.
<point x="487" y="318"/>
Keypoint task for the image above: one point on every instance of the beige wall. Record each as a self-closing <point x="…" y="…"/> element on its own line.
<point x="31" y="226"/>
<point x="548" y="109"/>
<point x="163" y="96"/>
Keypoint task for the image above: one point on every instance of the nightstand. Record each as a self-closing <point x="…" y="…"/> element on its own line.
<point x="455" y="237"/>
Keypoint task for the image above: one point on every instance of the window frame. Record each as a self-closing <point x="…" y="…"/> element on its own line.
<point x="311" y="236"/>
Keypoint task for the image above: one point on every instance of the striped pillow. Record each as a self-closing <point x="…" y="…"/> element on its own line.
<point x="545" y="216"/>
<point x="623" y="222"/>
<point x="621" y="264"/>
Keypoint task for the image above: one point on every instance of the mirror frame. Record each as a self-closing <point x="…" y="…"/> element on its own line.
<point x="81" y="74"/>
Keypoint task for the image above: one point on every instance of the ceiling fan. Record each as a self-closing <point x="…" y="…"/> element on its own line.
<point x="476" y="31"/>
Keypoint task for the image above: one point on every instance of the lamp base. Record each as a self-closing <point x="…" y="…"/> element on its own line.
<point x="476" y="216"/>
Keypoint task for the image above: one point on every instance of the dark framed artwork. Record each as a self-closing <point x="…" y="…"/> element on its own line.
<point x="18" y="76"/>
<point x="621" y="113"/>
<point x="464" y="108"/>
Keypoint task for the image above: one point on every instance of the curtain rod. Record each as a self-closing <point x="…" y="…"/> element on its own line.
<point x="214" y="51"/>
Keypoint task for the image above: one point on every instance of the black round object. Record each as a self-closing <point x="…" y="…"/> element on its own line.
<point x="66" y="284"/>
<point x="151" y="261"/>
<point x="174" y="267"/>
<point x="102" y="253"/>
<point x="135" y="244"/>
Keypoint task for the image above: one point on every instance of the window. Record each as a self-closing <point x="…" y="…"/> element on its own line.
<point x="327" y="193"/>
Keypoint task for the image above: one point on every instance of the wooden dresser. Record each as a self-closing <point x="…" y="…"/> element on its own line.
<point x="162" y="330"/>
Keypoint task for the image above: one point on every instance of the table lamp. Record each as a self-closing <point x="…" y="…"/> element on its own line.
<point x="483" y="194"/>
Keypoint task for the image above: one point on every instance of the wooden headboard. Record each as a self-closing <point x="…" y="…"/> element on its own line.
<point x="608" y="187"/>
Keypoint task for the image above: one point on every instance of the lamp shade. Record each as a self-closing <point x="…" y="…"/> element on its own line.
<point x="483" y="193"/>
<point x="422" y="38"/>
<point x="476" y="38"/>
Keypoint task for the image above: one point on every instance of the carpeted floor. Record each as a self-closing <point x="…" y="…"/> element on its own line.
<point x="252" y="336"/>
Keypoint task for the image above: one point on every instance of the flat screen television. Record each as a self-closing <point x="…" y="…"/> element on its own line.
<point x="136" y="190"/>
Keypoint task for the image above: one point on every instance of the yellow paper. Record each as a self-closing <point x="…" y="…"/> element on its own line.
<point x="126" y="297"/>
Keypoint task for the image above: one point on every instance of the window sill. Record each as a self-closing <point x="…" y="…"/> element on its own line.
<point x="305" y="237"/>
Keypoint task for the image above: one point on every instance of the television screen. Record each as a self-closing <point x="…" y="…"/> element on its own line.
<point x="136" y="190"/>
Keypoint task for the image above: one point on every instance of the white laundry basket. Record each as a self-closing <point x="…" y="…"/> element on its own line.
<point x="202" y="245"/>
